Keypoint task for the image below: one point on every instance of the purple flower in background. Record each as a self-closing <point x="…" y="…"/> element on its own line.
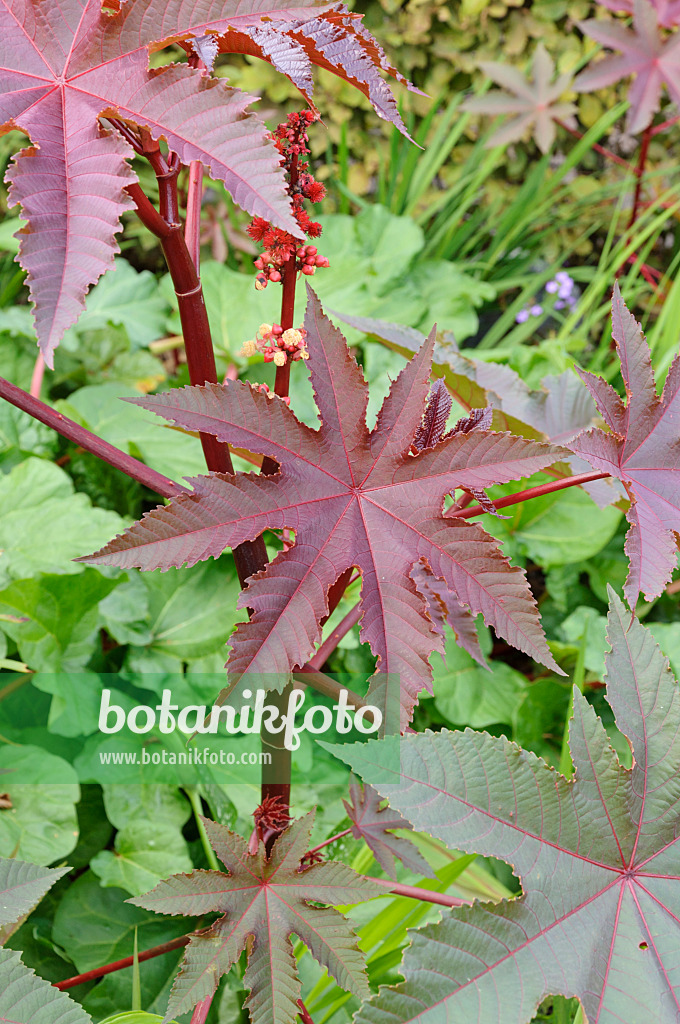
<point x="536" y="310"/>
<point x="522" y="316"/>
<point x="563" y="287"/>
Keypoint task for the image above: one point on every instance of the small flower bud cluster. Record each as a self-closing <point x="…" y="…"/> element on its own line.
<point x="276" y="345"/>
<point x="290" y="138"/>
<point x="563" y="287"/>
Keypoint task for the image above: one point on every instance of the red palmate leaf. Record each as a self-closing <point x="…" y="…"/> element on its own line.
<point x="642" y="449"/>
<point x="354" y="499"/>
<point x="336" y="41"/>
<point x="535" y="103"/>
<point x="63" y="65"/>
<point x="645" y="52"/>
<point x="597" y="856"/>
<point x="668" y="11"/>
<point x="373" y="823"/>
<point x="263" y="902"/>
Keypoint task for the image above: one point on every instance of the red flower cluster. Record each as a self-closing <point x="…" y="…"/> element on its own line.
<point x="291" y="139"/>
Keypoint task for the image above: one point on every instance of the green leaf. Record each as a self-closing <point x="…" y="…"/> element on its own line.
<point x="41" y="825"/>
<point x="127" y="804"/>
<point x="27" y="999"/>
<point x="44" y="524"/>
<point x="22" y="886"/>
<point x="61" y="621"/>
<point x="127" y="298"/>
<point x="597" y="857"/>
<point x="192" y="612"/>
<point x="96" y="926"/>
<point x="99" y="408"/>
<point x="145" y="852"/>
<point x="467" y="694"/>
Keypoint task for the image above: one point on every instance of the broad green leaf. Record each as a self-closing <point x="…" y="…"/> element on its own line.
<point x="144" y="853"/>
<point x="44" y="524"/>
<point x="127" y="298"/>
<point x="467" y="694"/>
<point x="60" y="620"/>
<point x="597" y="857"/>
<point x="100" y="408"/>
<point x="27" y="999"/>
<point x="127" y="804"/>
<point x="96" y="926"/>
<point x="22" y="886"/>
<point x="41" y="826"/>
<point x="76" y="697"/>
<point x="192" y="612"/>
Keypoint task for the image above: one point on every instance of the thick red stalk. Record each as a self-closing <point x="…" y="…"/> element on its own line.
<point x="304" y="1013"/>
<point x="276" y="775"/>
<point x="119" y="965"/>
<point x="192" y="227"/>
<point x="251" y="556"/>
<point x="89" y="441"/>
<point x="201" y="1011"/>
<point x="531" y="492"/>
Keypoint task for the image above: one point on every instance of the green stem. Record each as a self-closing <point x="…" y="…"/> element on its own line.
<point x="195" y="801"/>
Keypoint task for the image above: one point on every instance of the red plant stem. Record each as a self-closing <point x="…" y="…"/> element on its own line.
<point x="38" y="374"/>
<point x="201" y="1010"/>
<point x="275" y="782"/>
<point x="639" y="173"/>
<point x="326" y="842"/>
<point x="331" y="642"/>
<point x="665" y="124"/>
<point x="251" y="556"/>
<point x="192" y="227"/>
<point x="88" y="441"/>
<point x="119" y="965"/>
<point x="531" y="492"/>
<point x="596" y="146"/>
<point x="416" y="893"/>
<point x="304" y="1013"/>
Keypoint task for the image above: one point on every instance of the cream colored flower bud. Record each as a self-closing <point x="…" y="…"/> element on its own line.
<point x="264" y="329"/>
<point x="292" y="336"/>
<point x="249" y="348"/>
<point x="279" y="359"/>
<point x="304" y="353"/>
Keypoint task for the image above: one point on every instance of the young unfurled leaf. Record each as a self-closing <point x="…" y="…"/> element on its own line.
<point x="65" y="65"/>
<point x="597" y="857"/>
<point x="645" y="53"/>
<point x="22" y="886"/>
<point x="263" y="902"/>
<point x="28" y="999"/>
<point x="336" y="41"/>
<point x="354" y="499"/>
<point x="535" y="104"/>
<point x="371" y="823"/>
<point x="642" y="449"/>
